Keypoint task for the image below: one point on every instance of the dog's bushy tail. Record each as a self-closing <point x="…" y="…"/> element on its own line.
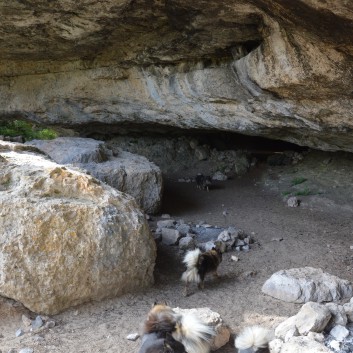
<point x="252" y="339"/>
<point x="193" y="333"/>
<point x="191" y="260"/>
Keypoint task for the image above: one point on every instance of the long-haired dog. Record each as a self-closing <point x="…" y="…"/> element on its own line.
<point x="199" y="264"/>
<point x="253" y="339"/>
<point x="165" y="331"/>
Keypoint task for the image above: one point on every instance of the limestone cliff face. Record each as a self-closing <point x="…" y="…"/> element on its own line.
<point x="279" y="69"/>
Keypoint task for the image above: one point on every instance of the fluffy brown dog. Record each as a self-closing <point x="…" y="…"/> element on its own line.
<point x="165" y="331"/>
<point x="199" y="264"/>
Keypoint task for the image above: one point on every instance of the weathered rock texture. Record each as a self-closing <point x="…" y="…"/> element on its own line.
<point x="301" y="285"/>
<point x="66" y="237"/>
<point x="280" y="69"/>
<point x="125" y="171"/>
<point x="304" y="344"/>
<point x="312" y="317"/>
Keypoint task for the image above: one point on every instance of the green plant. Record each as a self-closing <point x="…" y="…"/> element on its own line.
<point x="298" y="180"/>
<point x="46" y="134"/>
<point x="285" y="193"/>
<point x="304" y="192"/>
<point x="28" y="130"/>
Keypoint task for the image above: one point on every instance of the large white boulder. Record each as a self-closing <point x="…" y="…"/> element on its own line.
<point x="301" y="285"/>
<point x="127" y="172"/>
<point x="65" y="237"/>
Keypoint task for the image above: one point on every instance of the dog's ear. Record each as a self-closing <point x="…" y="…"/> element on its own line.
<point x="162" y="302"/>
<point x="218" y="246"/>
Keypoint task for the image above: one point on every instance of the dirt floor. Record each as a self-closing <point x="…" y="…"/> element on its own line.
<point x="319" y="233"/>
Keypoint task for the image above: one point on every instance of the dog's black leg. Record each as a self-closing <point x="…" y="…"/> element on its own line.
<point x="201" y="285"/>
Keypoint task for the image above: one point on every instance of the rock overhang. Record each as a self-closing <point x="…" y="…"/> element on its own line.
<point x="278" y="70"/>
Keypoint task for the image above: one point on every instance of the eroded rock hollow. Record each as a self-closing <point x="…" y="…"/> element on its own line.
<point x="279" y="69"/>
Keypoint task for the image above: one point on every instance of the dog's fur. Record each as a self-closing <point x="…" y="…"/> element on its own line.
<point x="253" y="339"/>
<point x="199" y="264"/>
<point x="161" y="319"/>
<point x="165" y="331"/>
<point x="193" y="333"/>
<point x="156" y="343"/>
<point x="203" y="182"/>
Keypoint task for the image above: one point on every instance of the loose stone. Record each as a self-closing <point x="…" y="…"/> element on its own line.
<point x="19" y="332"/>
<point x="133" y="336"/>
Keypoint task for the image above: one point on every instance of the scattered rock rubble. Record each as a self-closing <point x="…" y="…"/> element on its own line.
<point x="179" y="153"/>
<point x="316" y="328"/>
<point x="188" y="236"/>
<point x="218" y="176"/>
<point x="34" y="327"/>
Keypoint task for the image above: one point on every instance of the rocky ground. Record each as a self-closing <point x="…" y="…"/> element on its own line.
<point x="318" y="233"/>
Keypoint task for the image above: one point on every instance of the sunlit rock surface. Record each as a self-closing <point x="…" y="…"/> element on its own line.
<point x="67" y="238"/>
<point x="127" y="172"/>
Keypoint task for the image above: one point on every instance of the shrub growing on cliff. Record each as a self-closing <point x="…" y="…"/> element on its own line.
<point x="28" y="130"/>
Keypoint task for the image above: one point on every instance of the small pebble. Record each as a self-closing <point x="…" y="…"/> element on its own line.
<point x="133" y="336"/>
<point x="235" y="258"/>
<point x="38" y="338"/>
<point x="293" y="202"/>
<point x="335" y="345"/>
<point x="276" y="239"/>
<point x="37" y="323"/>
<point x="19" y="332"/>
<point x="50" y="324"/>
<point x="26" y="320"/>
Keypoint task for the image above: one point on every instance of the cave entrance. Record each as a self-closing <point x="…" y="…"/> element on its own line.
<point x="259" y="147"/>
<point x="206" y="152"/>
